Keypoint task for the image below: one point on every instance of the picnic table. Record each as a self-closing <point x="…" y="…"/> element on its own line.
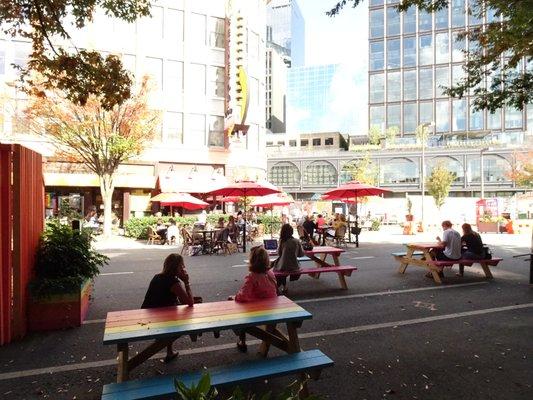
<point x="421" y="254"/>
<point x="324" y="251"/>
<point x="164" y="325"/>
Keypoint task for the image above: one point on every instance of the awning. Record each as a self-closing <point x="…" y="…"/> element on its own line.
<point x="199" y="182"/>
<point x="134" y="181"/>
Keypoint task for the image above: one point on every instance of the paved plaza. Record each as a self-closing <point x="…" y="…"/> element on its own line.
<point x="390" y="335"/>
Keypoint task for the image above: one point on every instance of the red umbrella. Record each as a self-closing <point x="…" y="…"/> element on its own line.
<point x="351" y="191"/>
<point x="273" y="200"/>
<point x="245" y="189"/>
<point x="184" y="200"/>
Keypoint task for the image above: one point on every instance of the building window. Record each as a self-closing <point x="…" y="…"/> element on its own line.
<point x="284" y="174"/>
<point x="495" y="119"/>
<point x="458" y="47"/>
<point x="457" y="74"/>
<point x="22" y="51"/>
<point x="2" y="59"/>
<point x="153" y="25"/>
<point x="409" y="52"/>
<point x="426" y="113"/>
<point x="281" y="143"/>
<point x="393" y="53"/>
<point x="476" y="119"/>
<point x="459" y="115"/>
<point x="425" y="83"/>
<point x="197" y="29"/>
<point x="458" y="13"/>
<point x="377" y="116"/>
<point x="409" y="85"/>
<point x="328" y="141"/>
<point x="292" y="143"/>
<point x="173" y="126"/>
<point x="425" y="54"/>
<point x="216" y="32"/>
<point x="409" y="20"/>
<point x="393" y="116"/>
<point x="394" y="86"/>
<point x="393" y="21"/>
<point x="513" y="118"/>
<point x="376" y="56"/>
<point x="216" y="131"/>
<point x="377" y="88"/>
<point x="320" y="173"/>
<point x="196" y="80"/>
<point x="399" y="170"/>
<point x="442" y="79"/>
<point x="216" y="81"/>
<point x="451" y="164"/>
<point x="409" y="117"/>
<point x="304" y="143"/>
<point x="376" y="24"/>
<point x="154" y="68"/>
<point x="442" y="52"/>
<point x="174" y="26"/>
<point x="441" y="18"/>
<point x="474" y="14"/>
<point x="195" y="130"/>
<point x="425" y="21"/>
<point x="269" y="144"/>
<point x="530" y="118"/>
<point x="495" y="169"/>
<point x="253" y="45"/>
<point x="317" y="142"/>
<point x="491" y="15"/>
<point x="442" y="116"/>
<point x="128" y="61"/>
<point x="173" y="77"/>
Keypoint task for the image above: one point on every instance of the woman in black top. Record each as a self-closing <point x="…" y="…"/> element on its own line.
<point x="165" y="290"/>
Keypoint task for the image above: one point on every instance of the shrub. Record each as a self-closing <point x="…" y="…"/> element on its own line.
<point x="64" y="260"/>
<point x="137" y="227"/>
<point x="213" y="218"/>
<point x="269" y="221"/>
<point x="375" y="224"/>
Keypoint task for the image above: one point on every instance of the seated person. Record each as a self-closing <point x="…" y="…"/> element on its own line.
<point x="233" y="229"/>
<point x="451" y="240"/>
<point x="259" y="284"/>
<point x="172" y="230"/>
<point x="309" y="226"/>
<point x="165" y="290"/>
<point x="220" y="227"/>
<point x="161" y="230"/>
<point x="320" y="220"/>
<point x="473" y="245"/>
<point x="289" y="249"/>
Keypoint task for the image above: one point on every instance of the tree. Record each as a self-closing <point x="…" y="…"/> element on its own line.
<point x="522" y="172"/>
<point x="374" y="135"/>
<point x="438" y="184"/>
<point x="362" y="170"/>
<point x="509" y="38"/>
<point x="80" y="73"/>
<point x="100" y="138"/>
<point x="422" y="134"/>
<point x="391" y="134"/>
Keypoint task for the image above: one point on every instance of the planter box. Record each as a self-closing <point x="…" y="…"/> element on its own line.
<point x="60" y="311"/>
<point x="488" y="227"/>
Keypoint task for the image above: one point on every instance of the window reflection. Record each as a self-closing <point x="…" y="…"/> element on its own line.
<point x="399" y="170"/>
<point x="451" y="164"/>
<point x="320" y="173"/>
<point x="284" y="174"/>
<point x="495" y="169"/>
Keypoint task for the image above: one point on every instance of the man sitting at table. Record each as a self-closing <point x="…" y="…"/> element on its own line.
<point x="165" y="290"/>
<point x="172" y="231"/>
<point x="451" y="240"/>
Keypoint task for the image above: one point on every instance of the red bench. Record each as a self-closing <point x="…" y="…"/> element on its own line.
<point x="484" y="264"/>
<point x="341" y="270"/>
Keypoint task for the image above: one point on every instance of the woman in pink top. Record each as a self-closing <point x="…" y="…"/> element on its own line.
<point x="259" y="284"/>
<point x="320" y="220"/>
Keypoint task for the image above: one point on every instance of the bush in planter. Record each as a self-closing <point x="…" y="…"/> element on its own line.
<point x="64" y="260"/>
<point x="269" y="221"/>
<point x="137" y="227"/>
<point x="375" y="224"/>
<point x="212" y="219"/>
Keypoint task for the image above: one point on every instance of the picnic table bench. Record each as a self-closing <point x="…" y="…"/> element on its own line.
<point x="164" y="325"/>
<point x="318" y="255"/>
<point x="420" y="254"/>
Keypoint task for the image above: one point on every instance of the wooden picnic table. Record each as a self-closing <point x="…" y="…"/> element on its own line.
<point x="164" y="325"/>
<point x="419" y="254"/>
<point x="324" y="251"/>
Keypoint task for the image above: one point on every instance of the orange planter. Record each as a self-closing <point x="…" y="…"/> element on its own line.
<point x="60" y="311"/>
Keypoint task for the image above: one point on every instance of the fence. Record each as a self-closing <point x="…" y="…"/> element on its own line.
<point x="21" y="223"/>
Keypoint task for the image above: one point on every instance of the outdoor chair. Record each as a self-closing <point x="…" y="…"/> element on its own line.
<point x="221" y="242"/>
<point x="152" y="235"/>
<point x="188" y="240"/>
<point x="340" y="235"/>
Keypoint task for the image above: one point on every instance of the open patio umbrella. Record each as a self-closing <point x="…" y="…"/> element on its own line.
<point x="246" y="189"/>
<point x="273" y="200"/>
<point x="352" y="191"/>
<point x="184" y="200"/>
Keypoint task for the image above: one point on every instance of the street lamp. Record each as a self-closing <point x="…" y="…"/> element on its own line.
<point x="423" y="169"/>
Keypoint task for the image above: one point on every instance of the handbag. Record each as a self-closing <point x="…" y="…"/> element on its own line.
<point x="307" y="245"/>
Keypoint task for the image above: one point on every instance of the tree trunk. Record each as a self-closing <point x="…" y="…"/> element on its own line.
<point x="106" y="189"/>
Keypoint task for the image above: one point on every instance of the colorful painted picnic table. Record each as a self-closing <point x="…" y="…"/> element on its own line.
<point x="419" y="254"/>
<point x="164" y="325"/>
<point x="324" y="251"/>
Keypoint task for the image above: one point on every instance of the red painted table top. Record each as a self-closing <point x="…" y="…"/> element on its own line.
<point x="324" y="250"/>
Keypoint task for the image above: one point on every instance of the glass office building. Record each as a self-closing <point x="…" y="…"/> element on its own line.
<point x="412" y="55"/>
<point x="285" y="30"/>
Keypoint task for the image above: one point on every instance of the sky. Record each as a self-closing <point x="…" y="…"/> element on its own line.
<point x="340" y="40"/>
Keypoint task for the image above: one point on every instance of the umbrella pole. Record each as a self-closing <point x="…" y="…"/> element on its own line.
<point x="271" y="222"/>
<point x="356" y="224"/>
<point x="244" y="228"/>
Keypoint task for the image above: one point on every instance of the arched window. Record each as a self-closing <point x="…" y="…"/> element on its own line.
<point x="495" y="169"/>
<point x="284" y="174"/>
<point x="399" y="170"/>
<point x="320" y="173"/>
<point x="451" y="164"/>
<point x="368" y="171"/>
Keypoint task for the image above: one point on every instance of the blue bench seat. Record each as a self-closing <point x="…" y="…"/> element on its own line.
<point x="162" y="387"/>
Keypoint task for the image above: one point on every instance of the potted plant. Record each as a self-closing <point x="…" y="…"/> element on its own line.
<point x="487" y="223"/>
<point x="409" y="217"/>
<point x="65" y="265"/>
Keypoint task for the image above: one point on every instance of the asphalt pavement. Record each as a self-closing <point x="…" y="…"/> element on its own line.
<point x="391" y="335"/>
